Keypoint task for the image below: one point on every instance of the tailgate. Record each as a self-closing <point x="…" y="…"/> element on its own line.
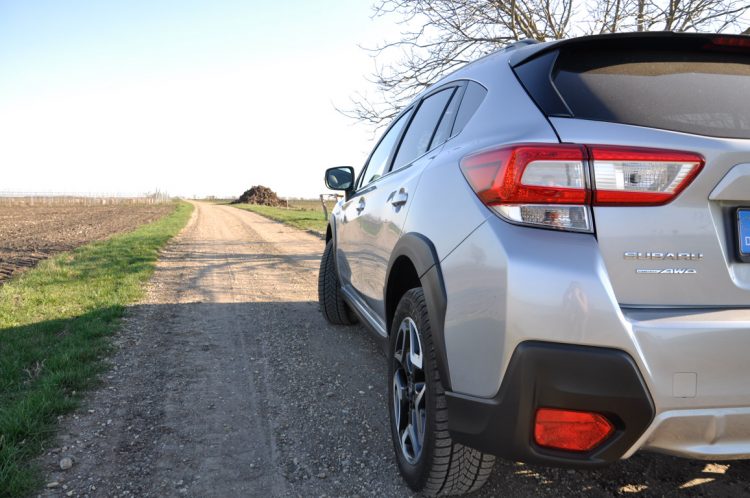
<point x="687" y="93"/>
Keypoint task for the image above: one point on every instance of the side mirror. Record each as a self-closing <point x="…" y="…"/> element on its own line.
<point x="340" y="178"/>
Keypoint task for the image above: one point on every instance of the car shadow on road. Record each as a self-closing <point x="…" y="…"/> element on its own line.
<point x="267" y="396"/>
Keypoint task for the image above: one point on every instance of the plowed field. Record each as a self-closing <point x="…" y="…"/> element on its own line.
<point x="29" y="234"/>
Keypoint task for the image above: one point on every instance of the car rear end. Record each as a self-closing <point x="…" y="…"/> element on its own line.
<point x="646" y="206"/>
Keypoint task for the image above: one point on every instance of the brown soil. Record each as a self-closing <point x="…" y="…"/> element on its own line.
<point x="261" y="195"/>
<point x="29" y="234"/>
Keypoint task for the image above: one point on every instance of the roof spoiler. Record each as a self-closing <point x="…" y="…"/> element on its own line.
<point x="665" y="39"/>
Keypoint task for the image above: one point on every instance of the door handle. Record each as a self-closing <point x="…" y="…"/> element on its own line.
<point x="399" y="198"/>
<point x="361" y="205"/>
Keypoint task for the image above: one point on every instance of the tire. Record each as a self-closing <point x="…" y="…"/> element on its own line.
<point x="434" y="466"/>
<point x="331" y="300"/>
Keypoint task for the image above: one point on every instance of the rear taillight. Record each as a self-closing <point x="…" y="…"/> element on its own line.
<point x="544" y="185"/>
<point x="641" y="177"/>
<point x="555" y="185"/>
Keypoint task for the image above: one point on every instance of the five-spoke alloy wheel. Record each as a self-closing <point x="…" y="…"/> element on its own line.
<point x="429" y="460"/>
<point x="409" y="388"/>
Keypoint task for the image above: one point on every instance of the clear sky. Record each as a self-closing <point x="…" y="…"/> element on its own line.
<point x="195" y="97"/>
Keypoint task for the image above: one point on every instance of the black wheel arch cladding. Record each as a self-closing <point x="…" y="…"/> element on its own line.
<point x="422" y="254"/>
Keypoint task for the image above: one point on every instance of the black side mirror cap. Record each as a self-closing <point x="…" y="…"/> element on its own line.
<point x="340" y="178"/>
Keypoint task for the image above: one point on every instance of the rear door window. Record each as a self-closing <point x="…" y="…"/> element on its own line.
<point x="700" y="92"/>
<point x="419" y="135"/>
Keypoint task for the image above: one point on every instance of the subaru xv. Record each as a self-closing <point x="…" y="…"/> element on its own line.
<point x="553" y="245"/>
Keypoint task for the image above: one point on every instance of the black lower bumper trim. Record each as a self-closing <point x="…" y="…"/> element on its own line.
<point x="552" y="375"/>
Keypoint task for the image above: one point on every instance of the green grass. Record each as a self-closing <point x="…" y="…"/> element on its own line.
<point x="55" y="325"/>
<point x="305" y="216"/>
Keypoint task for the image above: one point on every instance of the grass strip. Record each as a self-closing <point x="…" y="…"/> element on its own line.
<point x="55" y="325"/>
<point x="304" y="219"/>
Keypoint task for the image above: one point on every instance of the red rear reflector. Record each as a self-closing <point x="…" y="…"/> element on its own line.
<point x="570" y="430"/>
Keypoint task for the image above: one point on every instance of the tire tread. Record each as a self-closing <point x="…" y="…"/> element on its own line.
<point x="455" y="469"/>
<point x="330" y="297"/>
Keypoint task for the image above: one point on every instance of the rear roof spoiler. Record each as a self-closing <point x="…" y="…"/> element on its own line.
<point x="533" y="64"/>
<point x="665" y="39"/>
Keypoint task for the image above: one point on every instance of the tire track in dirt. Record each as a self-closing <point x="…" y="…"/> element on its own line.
<point x="227" y="381"/>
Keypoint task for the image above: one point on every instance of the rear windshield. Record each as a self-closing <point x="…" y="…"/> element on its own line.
<point x="704" y="93"/>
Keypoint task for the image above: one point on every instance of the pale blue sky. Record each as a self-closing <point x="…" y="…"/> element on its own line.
<point x="192" y="97"/>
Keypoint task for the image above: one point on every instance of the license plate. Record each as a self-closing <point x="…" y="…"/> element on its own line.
<point x="743" y="227"/>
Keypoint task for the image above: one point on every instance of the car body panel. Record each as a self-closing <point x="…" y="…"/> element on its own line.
<point x="529" y="285"/>
<point x="691" y="223"/>
<point x="376" y="228"/>
<point x="447" y="210"/>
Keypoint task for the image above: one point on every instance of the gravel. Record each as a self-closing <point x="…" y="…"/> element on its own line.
<point x="226" y="381"/>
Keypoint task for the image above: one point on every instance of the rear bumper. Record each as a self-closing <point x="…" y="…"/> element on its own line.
<point x="540" y="374"/>
<point x="705" y="434"/>
<point x="511" y="286"/>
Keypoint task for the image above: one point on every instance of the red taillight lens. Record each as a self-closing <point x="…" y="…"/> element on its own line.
<point x="641" y="177"/>
<point x="544" y="185"/>
<point x="570" y="430"/>
<point x="528" y="174"/>
<point x="547" y="184"/>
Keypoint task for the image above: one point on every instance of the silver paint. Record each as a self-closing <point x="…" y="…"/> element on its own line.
<point x="507" y="284"/>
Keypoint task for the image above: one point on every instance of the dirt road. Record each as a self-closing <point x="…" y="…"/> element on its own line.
<point x="227" y="382"/>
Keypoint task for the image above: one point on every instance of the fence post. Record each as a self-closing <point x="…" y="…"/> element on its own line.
<point x="325" y="208"/>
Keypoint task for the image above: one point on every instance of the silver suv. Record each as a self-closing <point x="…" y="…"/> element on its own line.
<point x="553" y="244"/>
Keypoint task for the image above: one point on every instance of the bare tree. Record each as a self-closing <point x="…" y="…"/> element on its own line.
<point x="439" y="36"/>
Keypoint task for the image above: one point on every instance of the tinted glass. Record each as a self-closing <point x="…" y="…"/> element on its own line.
<point x="419" y="135"/>
<point x="473" y="96"/>
<point x="443" y="131"/>
<point x="379" y="159"/>
<point x="706" y="93"/>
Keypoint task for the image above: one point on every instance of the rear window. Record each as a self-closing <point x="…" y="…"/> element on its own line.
<point x="705" y="93"/>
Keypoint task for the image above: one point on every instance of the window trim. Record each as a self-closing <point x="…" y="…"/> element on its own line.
<point x="447" y="86"/>
<point x="455" y="133"/>
<point x="359" y="187"/>
<point x="458" y="97"/>
<point x="460" y="90"/>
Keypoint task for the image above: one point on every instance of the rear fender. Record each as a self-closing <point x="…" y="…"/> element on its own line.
<point x="423" y="256"/>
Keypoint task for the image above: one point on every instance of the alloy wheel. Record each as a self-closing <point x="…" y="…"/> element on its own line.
<point x="409" y="391"/>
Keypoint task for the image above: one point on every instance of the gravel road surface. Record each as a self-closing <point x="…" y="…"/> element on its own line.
<point x="227" y="382"/>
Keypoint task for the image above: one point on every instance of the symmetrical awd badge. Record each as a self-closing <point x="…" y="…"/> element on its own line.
<point x="664" y="256"/>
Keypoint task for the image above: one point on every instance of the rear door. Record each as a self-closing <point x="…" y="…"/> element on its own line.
<point x="385" y="202"/>
<point x="353" y="251"/>
<point x="661" y="101"/>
